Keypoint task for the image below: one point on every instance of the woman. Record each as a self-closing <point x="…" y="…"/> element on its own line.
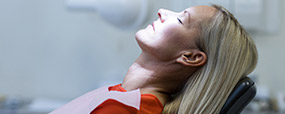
<point x="190" y="62"/>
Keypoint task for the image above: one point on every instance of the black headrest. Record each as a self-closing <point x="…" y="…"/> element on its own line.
<point x="241" y="95"/>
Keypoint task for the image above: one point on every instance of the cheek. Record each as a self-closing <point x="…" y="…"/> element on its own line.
<point x="173" y="37"/>
<point x="169" y="43"/>
<point x="171" y="30"/>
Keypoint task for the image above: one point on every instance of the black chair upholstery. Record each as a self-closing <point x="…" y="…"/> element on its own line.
<point x="239" y="98"/>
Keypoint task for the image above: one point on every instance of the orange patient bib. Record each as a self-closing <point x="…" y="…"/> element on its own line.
<point x="112" y="100"/>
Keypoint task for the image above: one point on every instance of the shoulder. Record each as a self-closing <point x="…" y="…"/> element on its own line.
<point x="150" y="104"/>
<point x="147" y="103"/>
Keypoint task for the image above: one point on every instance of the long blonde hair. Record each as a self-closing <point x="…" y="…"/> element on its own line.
<point x="231" y="55"/>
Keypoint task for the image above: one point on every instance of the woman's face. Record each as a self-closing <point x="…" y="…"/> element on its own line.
<point x="173" y="32"/>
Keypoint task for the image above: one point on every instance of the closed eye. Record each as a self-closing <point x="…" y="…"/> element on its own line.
<point x="179" y="20"/>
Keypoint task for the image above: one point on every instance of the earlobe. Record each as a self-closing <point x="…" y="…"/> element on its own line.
<point x="194" y="58"/>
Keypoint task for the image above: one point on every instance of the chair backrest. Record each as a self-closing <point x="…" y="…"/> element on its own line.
<point x="239" y="98"/>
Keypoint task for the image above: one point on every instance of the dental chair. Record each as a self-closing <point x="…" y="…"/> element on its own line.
<point x="239" y="98"/>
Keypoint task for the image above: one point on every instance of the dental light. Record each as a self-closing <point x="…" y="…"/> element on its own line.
<point x="126" y="14"/>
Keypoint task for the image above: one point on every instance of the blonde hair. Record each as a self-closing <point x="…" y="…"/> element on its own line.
<point x="231" y="55"/>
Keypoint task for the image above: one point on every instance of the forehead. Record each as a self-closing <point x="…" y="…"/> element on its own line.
<point x="199" y="13"/>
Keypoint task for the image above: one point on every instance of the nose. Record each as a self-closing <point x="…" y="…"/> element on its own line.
<point x="163" y="14"/>
<point x="160" y="15"/>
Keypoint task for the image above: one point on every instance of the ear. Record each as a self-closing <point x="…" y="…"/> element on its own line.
<point x="194" y="58"/>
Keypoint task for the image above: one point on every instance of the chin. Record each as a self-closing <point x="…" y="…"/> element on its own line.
<point x="140" y="35"/>
<point x="142" y="38"/>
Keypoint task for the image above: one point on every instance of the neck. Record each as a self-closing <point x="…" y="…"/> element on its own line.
<point x="155" y="77"/>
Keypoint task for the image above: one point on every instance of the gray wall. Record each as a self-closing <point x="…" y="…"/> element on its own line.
<point x="271" y="48"/>
<point x="48" y="51"/>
